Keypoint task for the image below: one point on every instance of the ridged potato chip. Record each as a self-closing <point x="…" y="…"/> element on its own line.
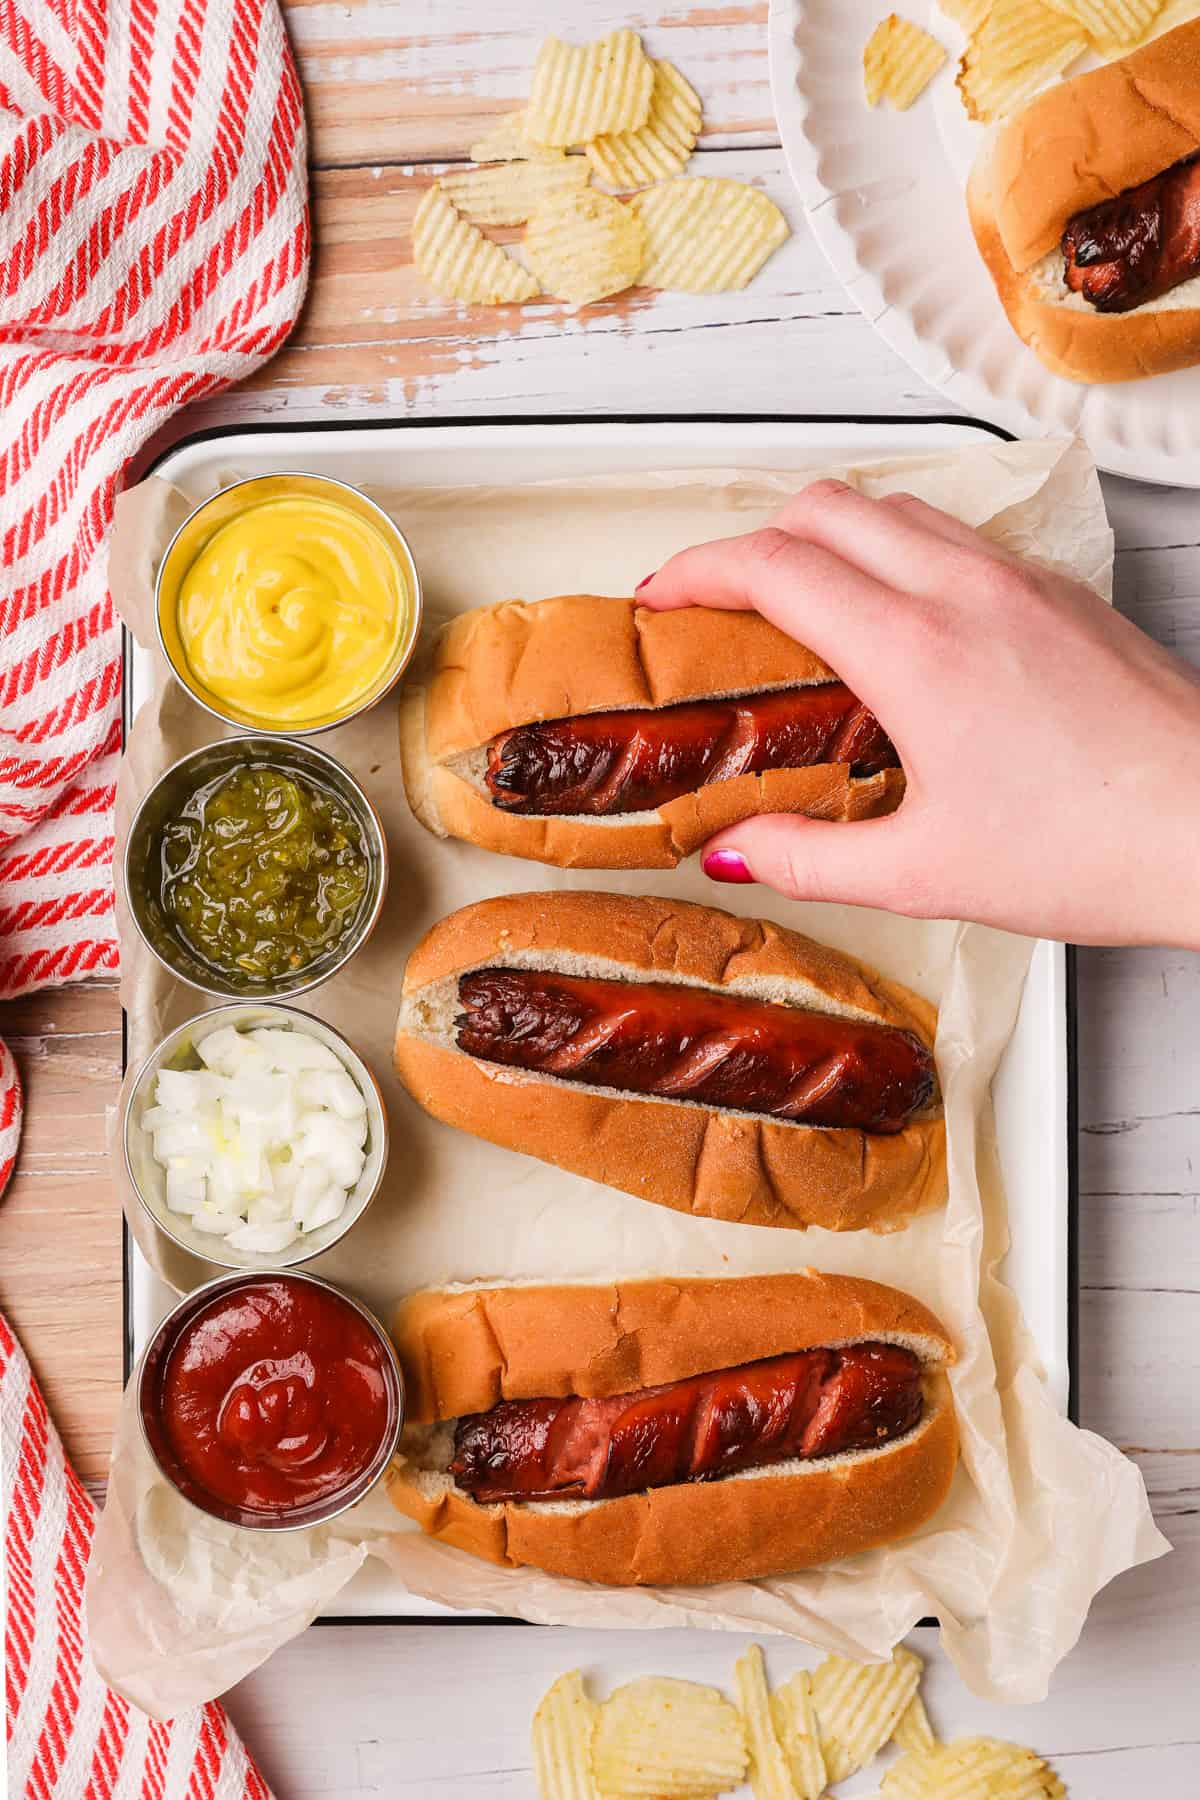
<point x="706" y="235"/>
<point x="581" y="90"/>
<point x="460" y="262"/>
<point x="1017" y="32"/>
<point x="912" y="1778"/>
<point x="511" y="192"/>
<point x="972" y="1769"/>
<point x="563" y="1728"/>
<point x="506" y="142"/>
<point x="795" y="1721"/>
<point x="970" y="14"/>
<point x="660" y="147"/>
<point x="1021" y="45"/>
<point x="859" y="1707"/>
<point x="913" y="1730"/>
<point x="770" y="1776"/>
<point x="899" y="62"/>
<point x="672" y="1740"/>
<point x="584" y="246"/>
<point x="1115" y="24"/>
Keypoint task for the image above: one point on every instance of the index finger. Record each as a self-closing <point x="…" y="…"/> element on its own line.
<point x="896" y="538"/>
<point x="851" y="620"/>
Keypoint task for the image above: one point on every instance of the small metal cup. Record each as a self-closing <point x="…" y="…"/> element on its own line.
<point x="164" y="801"/>
<point x="149" y="1378"/>
<point x="148" y="1177"/>
<point x="207" y="519"/>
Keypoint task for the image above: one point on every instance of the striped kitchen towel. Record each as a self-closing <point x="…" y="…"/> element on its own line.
<point x="10" y="1114"/>
<point x="69" y="1736"/>
<point x="154" y="243"/>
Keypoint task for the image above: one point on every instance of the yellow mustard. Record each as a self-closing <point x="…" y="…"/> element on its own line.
<point x="292" y="611"/>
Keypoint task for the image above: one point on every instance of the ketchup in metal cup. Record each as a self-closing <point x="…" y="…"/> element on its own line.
<point x="274" y="1397"/>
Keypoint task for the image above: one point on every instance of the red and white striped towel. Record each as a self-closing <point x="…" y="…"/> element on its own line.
<point x="69" y="1736"/>
<point x="10" y="1114"/>
<point x="154" y="244"/>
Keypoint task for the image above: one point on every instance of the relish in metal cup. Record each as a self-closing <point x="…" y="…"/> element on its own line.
<point x="255" y="867"/>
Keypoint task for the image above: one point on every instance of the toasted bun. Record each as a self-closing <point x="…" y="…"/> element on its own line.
<point x="1084" y="140"/>
<point x="465" y="1350"/>
<point x="1078" y="143"/>
<point x="503" y="666"/>
<point x="698" y="1159"/>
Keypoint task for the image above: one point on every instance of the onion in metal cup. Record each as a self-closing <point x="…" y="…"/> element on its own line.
<point x="149" y="1177"/>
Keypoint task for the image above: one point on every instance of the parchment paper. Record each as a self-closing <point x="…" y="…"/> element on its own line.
<point x="1041" y="1515"/>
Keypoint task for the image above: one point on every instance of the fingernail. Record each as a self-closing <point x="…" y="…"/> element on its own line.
<point x="726" y="865"/>
<point x="645" y="582"/>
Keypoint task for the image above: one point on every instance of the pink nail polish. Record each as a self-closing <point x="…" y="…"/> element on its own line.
<point x="726" y="865"/>
<point x="645" y="582"/>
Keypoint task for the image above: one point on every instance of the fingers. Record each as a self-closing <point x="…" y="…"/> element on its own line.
<point x="848" y="618"/>
<point x="873" y="863"/>
<point x="900" y="539"/>
<point x="941" y="524"/>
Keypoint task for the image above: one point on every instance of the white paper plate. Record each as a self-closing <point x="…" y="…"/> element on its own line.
<point x="884" y="193"/>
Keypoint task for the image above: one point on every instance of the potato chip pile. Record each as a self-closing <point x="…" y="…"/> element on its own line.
<point x="1014" y="47"/>
<point x="636" y="122"/>
<point x="661" y="1739"/>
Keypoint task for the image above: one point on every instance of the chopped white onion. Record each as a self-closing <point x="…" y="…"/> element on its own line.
<point x="293" y="1050"/>
<point x="264" y="1144"/>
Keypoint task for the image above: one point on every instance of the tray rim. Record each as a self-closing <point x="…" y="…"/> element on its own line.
<point x="285" y="427"/>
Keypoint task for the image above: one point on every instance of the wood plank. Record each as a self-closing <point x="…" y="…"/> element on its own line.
<point x="388" y="82"/>
<point x="373" y="340"/>
<point x="60" y="1221"/>
<point x="1146" y="1242"/>
<point x="1172" y="1480"/>
<point x="1138" y="1108"/>
<point x="1133" y="1354"/>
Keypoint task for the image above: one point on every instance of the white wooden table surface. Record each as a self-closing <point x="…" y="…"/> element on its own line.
<point x="394" y="87"/>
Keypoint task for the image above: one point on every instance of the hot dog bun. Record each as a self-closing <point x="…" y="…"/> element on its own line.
<point x="704" y="1160"/>
<point x="503" y="666"/>
<point x="466" y="1349"/>
<point x="1078" y="143"/>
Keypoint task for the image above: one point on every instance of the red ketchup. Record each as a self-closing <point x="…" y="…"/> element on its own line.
<point x="275" y="1396"/>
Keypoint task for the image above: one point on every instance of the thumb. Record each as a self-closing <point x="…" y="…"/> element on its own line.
<point x="870" y="863"/>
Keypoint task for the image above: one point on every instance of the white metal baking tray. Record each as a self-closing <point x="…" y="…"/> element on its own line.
<point x="1034" y="1089"/>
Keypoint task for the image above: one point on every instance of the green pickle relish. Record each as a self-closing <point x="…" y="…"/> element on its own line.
<point x="262" y="872"/>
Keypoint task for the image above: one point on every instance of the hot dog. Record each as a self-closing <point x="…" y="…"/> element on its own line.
<point x="622" y="1434"/>
<point x="807" y="1404"/>
<point x="590" y="732"/>
<point x="1139" y="246"/>
<point x="637" y="761"/>
<point x="722" y="1066"/>
<point x="693" y="1044"/>
<point x="1086" y="210"/>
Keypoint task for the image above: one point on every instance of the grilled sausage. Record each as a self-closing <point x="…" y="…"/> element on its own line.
<point x="1138" y="246"/>
<point x="694" y="1043"/>
<point x="634" y="761"/>
<point x="812" y="1403"/>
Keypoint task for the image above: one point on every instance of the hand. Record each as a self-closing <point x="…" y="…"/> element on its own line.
<point x="1052" y="751"/>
